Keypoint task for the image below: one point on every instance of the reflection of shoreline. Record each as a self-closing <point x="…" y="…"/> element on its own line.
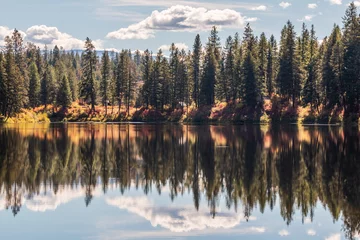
<point x="259" y="167"/>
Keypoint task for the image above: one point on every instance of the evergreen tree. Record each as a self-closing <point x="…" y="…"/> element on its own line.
<point x="130" y="84"/>
<point x="73" y="84"/>
<point x="146" y="72"/>
<point x="351" y="62"/>
<point x="174" y="73"/>
<point x="289" y="77"/>
<point x="271" y="69"/>
<point x="332" y="68"/>
<point x="3" y="82"/>
<point x="105" y="79"/>
<point x="310" y="90"/>
<point x="34" y="86"/>
<point x="196" y="57"/>
<point x="263" y="48"/>
<point x="252" y="91"/>
<point x="87" y="84"/>
<point x="64" y="97"/>
<point x="22" y="68"/>
<point x="210" y="68"/>
<point x="236" y="89"/>
<point x="48" y="89"/>
<point x="12" y="82"/>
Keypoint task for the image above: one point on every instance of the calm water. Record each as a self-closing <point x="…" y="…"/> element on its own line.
<point x="96" y="181"/>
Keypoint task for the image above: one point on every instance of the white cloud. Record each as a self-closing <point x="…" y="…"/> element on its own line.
<point x="311" y="232"/>
<point x="334" y="237"/>
<point x="259" y="8"/>
<point x="284" y="233"/>
<point x="180" y="46"/>
<point x="179" y="18"/>
<point x="312" y="5"/>
<point x="307" y="18"/>
<point x="50" y="201"/>
<point x="169" y="3"/>
<point x="357" y="3"/>
<point x="51" y="36"/>
<point x="308" y="220"/>
<point x="253" y="19"/>
<point x="335" y="2"/>
<point x="5" y="31"/>
<point x="178" y="219"/>
<point x="285" y="5"/>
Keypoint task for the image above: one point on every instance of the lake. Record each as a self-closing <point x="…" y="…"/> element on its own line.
<point x="164" y="181"/>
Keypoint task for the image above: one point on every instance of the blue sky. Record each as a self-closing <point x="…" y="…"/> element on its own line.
<point x="150" y="24"/>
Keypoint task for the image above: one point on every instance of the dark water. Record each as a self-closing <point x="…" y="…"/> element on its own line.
<point x="95" y="181"/>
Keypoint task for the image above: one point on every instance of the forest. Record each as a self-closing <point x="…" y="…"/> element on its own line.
<point x="251" y="78"/>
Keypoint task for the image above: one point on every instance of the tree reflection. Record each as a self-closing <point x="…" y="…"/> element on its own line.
<point x="247" y="166"/>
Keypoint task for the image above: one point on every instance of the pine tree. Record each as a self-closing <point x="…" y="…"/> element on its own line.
<point x="271" y="69"/>
<point x="137" y="58"/>
<point x="155" y="89"/>
<point x="130" y="85"/>
<point x="332" y="68"/>
<point x="174" y="73"/>
<point x="351" y="69"/>
<point x="230" y="69"/>
<point x="22" y="70"/>
<point x="55" y="55"/>
<point x="263" y="47"/>
<point x="146" y="72"/>
<point x="310" y="90"/>
<point x="105" y="79"/>
<point x="3" y="92"/>
<point x="64" y="97"/>
<point x="211" y="68"/>
<point x="289" y="77"/>
<point x="196" y="57"/>
<point x="252" y="91"/>
<point x="34" y="86"/>
<point x="73" y="84"/>
<point x="236" y="89"/>
<point x="48" y="89"/>
<point x="165" y="83"/>
<point x="87" y="84"/>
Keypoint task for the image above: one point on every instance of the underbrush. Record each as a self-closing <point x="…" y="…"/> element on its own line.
<point x="274" y="110"/>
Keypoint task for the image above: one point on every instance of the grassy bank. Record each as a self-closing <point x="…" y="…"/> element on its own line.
<point x="272" y="111"/>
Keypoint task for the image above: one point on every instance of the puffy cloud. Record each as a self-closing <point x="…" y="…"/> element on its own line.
<point x="5" y="31"/>
<point x="179" y="18"/>
<point x="178" y="219"/>
<point x="334" y="237"/>
<point x="357" y="3"/>
<point x="307" y="18"/>
<point x="311" y="232"/>
<point x="51" y="36"/>
<point x="253" y="19"/>
<point x="335" y="2"/>
<point x="285" y="5"/>
<point x="284" y="233"/>
<point x="50" y="201"/>
<point x="259" y="8"/>
<point x="178" y="45"/>
<point x="312" y="5"/>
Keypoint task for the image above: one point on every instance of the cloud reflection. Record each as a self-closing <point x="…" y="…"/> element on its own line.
<point x="178" y="219"/>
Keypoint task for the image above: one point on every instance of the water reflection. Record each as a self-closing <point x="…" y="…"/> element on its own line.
<point x="248" y="167"/>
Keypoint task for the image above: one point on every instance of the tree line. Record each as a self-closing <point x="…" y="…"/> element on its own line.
<point x="300" y="70"/>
